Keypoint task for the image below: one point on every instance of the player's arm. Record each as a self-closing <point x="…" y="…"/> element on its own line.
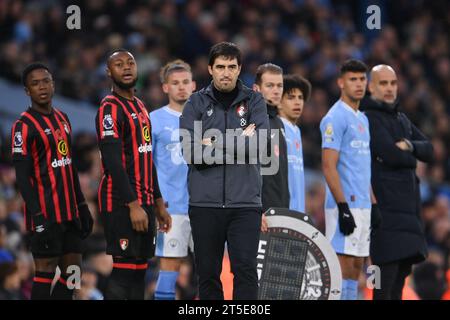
<point x="373" y="199"/>
<point x="22" y="139"/>
<point x="333" y="130"/>
<point x="109" y="122"/>
<point x="330" y="158"/>
<point x="86" y="222"/>
<point x="163" y="217"/>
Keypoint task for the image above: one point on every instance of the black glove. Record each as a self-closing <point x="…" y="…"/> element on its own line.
<point x="346" y="221"/>
<point x="86" y="222"/>
<point x="375" y="217"/>
<point x="42" y="227"/>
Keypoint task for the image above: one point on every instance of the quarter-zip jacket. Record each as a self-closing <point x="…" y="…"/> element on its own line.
<point x="223" y="185"/>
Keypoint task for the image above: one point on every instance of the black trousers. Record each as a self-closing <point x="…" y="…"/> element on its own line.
<point x="239" y="228"/>
<point x="393" y="277"/>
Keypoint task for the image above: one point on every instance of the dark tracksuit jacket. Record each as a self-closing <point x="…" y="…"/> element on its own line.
<point x="275" y="190"/>
<point x="222" y="185"/>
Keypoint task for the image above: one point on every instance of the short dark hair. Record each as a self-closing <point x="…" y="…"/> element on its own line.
<point x="266" y="67"/>
<point x="30" y="68"/>
<point x="117" y="50"/>
<point x="172" y="66"/>
<point x="227" y="49"/>
<point x="353" y="65"/>
<point x="292" y="81"/>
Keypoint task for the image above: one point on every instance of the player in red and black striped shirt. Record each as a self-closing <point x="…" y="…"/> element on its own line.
<point x="129" y="196"/>
<point x="56" y="213"/>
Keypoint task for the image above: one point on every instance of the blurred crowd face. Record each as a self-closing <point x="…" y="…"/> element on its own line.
<point x="179" y="86"/>
<point x="353" y="85"/>
<point x="40" y="87"/>
<point x="383" y="84"/>
<point x="271" y="87"/>
<point x="122" y="69"/>
<point x="291" y="106"/>
<point x="225" y="73"/>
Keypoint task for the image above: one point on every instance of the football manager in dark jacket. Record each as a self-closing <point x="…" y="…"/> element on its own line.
<point x="396" y="145"/>
<point x="224" y="182"/>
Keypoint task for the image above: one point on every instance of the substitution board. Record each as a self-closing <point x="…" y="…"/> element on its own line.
<point x="295" y="260"/>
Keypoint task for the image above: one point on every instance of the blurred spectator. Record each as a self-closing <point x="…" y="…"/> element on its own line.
<point x="429" y="281"/>
<point x="89" y="289"/>
<point x="9" y="281"/>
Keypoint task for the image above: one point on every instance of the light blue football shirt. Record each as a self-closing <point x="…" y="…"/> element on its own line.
<point x="171" y="167"/>
<point x="296" y="174"/>
<point x="347" y="131"/>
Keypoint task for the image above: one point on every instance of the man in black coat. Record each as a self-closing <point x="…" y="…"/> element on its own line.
<point x="275" y="188"/>
<point x="396" y="145"/>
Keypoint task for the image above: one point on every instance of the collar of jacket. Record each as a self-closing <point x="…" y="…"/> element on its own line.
<point x="371" y="104"/>
<point x="243" y="92"/>
<point x="272" y="110"/>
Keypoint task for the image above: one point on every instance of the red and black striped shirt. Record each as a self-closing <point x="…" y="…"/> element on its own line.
<point x="125" y="125"/>
<point x="44" y="141"/>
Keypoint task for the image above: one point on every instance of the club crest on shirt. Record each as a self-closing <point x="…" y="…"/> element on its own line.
<point x="58" y="134"/>
<point x="108" y="122"/>
<point x="143" y="118"/>
<point x="361" y="128"/>
<point x="66" y="128"/>
<point x="123" y="244"/>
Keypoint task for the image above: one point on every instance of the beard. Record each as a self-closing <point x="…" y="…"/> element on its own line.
<point x="125" y="86"/>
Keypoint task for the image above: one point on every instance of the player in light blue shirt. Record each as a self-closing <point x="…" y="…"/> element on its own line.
<point x="346" y="167"/>
<point x="296" y="91"/>
<point x="177" y="83"/>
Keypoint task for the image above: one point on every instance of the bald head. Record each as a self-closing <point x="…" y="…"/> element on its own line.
<point x="383" y="83"/>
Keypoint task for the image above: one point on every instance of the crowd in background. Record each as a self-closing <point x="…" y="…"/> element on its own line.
<point x="307" y="37"/>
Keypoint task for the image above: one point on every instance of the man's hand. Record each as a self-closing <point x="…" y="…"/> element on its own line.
<point x="249" y="131"/>
<point x="346" y="221"/>
<point x="375" y="217"/>
<point x="404" y="145"/>
<point x="138" y="216"/>
<point x="86" y="221"/>
<point x="264" y="225"/>
<point x="164" y="220"/>
<point x="207" y="142"/>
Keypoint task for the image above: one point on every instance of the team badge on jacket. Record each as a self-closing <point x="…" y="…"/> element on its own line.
<point x="241" y="111"/>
